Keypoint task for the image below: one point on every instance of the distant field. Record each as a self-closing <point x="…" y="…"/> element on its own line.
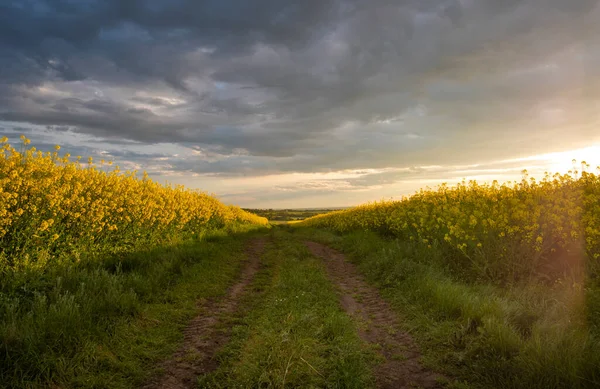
<point x="281" y="216"/>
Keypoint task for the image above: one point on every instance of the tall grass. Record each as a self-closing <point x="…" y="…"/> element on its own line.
<point x="106" y="321"/>
<point x="527" y="335"/>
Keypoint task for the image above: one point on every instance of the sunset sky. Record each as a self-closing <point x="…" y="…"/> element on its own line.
<point x="312" y="103"/>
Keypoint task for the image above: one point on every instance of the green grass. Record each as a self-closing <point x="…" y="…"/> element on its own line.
<point x="292" y="332"/>
<point x="105" y="323"/>
<point x="527" y="335"/>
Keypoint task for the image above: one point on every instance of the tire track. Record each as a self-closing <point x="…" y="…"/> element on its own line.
<point x="204" y="335"/>
<point x="378" y="325"/>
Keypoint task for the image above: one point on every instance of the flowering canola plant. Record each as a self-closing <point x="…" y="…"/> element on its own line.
<point x="51" y="205"/>
<point x="493" y="231"/>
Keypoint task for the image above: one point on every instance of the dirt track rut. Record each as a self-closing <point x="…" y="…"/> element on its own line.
<point x="378" y="325"/>
<point x="204" y="336"/>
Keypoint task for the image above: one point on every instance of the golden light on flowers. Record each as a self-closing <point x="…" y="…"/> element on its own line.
<point x="493" y="231"/>
<point x="69" y="208"/>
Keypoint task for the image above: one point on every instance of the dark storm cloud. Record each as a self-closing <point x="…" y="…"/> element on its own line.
<point x="314" y="85"/>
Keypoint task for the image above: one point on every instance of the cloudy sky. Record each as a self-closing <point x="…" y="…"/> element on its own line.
<point x="301" y="103"/>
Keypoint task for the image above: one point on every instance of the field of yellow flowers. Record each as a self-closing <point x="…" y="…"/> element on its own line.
<point x="501" y="282"/>
<point x="494" y="231"/>
<point x="86" y="249"/>
<point x="51" y="205"/>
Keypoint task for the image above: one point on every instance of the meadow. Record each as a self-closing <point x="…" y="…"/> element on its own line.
<point x="104" y="272"/>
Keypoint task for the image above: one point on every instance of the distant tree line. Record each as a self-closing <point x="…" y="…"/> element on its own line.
<point x="287" y="214"/>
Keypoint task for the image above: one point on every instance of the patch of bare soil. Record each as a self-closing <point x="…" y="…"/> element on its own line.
<point x="205" y="336"/>
<point x="378" y="325"/>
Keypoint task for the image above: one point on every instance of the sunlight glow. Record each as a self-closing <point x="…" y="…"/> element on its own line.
<point x="563" y="162"/>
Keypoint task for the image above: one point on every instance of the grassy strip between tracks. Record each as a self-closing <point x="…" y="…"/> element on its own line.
<point x="291" y="331"/>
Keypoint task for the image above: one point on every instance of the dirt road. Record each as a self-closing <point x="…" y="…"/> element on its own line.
<point x="378" y="325"/>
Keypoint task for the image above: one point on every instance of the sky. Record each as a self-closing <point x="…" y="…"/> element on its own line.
<point x="306" y="103"/>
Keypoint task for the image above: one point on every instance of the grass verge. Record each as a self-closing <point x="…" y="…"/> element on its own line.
<point x="522" y="336"/>
<point x="293" y="333"/>
<point x="102" y="323"/>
